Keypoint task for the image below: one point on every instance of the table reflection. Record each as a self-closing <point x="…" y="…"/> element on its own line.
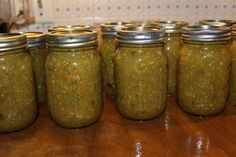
<point x="198" y="144"/>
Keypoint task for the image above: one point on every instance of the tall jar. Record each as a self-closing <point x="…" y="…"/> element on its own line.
<point x="73" y="76"/>
<point x="172" y="47"/>
<point x="108" y="50"/>
<point x="70" y="28"/>
<point x="141" y="72"/>
<point x="215" y="22"/>
<point x="18" y="107"/>
<point x="38" y="52"/>
<point x="203" y="72"/>
<point x="232" y="93"/>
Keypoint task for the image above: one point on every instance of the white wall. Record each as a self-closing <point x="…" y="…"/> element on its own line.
<point x="60" y="12"/>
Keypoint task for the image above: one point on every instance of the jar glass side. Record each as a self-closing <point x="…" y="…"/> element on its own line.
<point x="141" y="80"/>
<point x="74" y="86"/>
<point x="203" y="77"/>
<point x="232" y="92"/>
<point x="172" y="47"/>
<point x="108" y="51"/>
<point x="38" y="55"/>
<point x="18" y="107"/>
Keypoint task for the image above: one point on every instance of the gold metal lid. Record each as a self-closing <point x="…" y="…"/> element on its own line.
<point x="111" y="28"/>
<point x="219" y="22"/>
<point x="171" y="26"/>
<point x="70" y="28"/>
<point x="75" y="39"/>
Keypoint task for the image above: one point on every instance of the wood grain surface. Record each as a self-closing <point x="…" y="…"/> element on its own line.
<point x="174" y="134"/>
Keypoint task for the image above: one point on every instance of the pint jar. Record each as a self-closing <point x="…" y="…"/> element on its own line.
<point x="108" y="50"/>
<point x="38" y="52"/>
<point x="141" y="72"/>
<point x="203" y="71"/>
<point x="18" y="107"/>
<point x="172" y="47"/>
<point x="73" y="76"/>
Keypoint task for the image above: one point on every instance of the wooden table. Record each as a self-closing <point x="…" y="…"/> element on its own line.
<point x="174" y="134"/>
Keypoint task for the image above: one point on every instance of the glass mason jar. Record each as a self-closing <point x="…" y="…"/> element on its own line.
<point x="203" y="72"/>
<point x="108" y="50"/>
<point x="70" y="28"/>
<point x="213" y="22"/>
<point x="232" y="93"/>
<point x="38" y="52"/>
<point x="172" y="47"/>
<point x="73" y="76"/>
<point x="141" y="72"/>
<point x="18" y="107"/>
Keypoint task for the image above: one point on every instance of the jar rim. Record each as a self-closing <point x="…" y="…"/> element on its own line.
<point x="144" y="22"/>
<point x="11" y="41"/>
<point x="217" y="22"/>
<point x="234" y="31"/>
<point x="111" y="28"/>
<point x="35" y="39"/>
<point x="69" y="28"/>
<point x="206" y="33"/>
<point x="171" y="26"/>
<point x="75" y="39"/>
<point x="140" y="35"/>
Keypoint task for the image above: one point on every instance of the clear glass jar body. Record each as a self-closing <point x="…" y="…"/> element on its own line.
<point x="38" y="55"/>
<point x="232" y="92"/>
<point x="108" y="50"/>
<point x="141" y="80"/>
<point x="203" y="76"/>
<point x="74" y="86"/>
<point x="172" y="48"/>
<point x="18" y="107"/>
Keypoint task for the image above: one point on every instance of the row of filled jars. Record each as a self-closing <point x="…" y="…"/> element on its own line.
<point x="140" y="63"/>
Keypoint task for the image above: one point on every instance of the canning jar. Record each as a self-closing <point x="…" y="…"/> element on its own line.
<point x="203" y="72"/>
<point x="232" y="93"/>
<point x="73" y="76"/>
<point x="18" y="107"/>
<point x="213" y="22"/>
<point x="141" y="72"/>
<point x="70" y="28"/>
<point x="107" y="50"/>
<point x="172" y="47"/>
<point x="38" y="52"/>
